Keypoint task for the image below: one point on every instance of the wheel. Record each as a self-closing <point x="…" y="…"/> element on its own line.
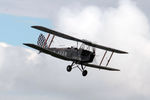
<point x="84" y="73"/>
<point x="69" y="68"/>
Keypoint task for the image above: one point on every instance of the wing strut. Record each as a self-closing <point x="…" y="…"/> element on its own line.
<point x="51" y="41"/>
<point x="104" y="58"/>
<point x="109" y="58"/>
<point x="46" y="40"/>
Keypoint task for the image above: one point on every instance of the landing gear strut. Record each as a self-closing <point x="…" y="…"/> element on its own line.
<point x="82" y="69"/>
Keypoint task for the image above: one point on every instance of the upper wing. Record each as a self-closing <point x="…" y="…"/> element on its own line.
<point x="101" y="67"/>
<point x="104" y="47"/>
<point x="59" y="34"/>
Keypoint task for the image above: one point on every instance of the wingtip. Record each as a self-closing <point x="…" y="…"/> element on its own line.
<point x="39" y="27"/>
<point x="33" y="26"/>
<point x="118" y="70"/>
<point x="26" y="44"/>
<point x="123" y="52"/>
<point x="126" y="52"/>
<point x="115" y="70"/>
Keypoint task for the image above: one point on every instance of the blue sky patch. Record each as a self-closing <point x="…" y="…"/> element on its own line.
<point x="16" y="30"/>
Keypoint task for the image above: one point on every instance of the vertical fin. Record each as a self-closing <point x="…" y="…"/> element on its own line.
<point x="41" y="41"/>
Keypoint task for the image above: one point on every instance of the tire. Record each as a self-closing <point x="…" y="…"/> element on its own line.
<point x="84" y="73"/>
<point x="69" y="68"/>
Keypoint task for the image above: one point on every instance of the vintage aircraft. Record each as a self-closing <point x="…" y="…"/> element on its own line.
<point x="81" y="57"/>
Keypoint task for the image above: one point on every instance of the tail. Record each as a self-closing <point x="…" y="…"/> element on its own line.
<point x="42" y="41"/>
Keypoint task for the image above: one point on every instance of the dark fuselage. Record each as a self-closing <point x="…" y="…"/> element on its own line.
<point x="73" y="54"/>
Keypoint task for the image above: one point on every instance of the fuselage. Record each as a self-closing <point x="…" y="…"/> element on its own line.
<point x="73" y="54"/>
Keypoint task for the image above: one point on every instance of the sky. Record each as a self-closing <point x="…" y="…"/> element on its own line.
<point x="121" y="24"/>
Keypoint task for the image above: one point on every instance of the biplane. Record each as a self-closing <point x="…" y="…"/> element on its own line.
<point x="81" y="57"/>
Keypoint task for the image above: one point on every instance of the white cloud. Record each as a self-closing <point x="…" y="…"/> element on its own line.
<point x="125" y="27"/>
<point x="25" y="74"/>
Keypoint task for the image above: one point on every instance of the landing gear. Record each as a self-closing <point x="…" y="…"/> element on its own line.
<point x="84" y="72"/>
<point x="81" y="68"/>
<point x="69" y="68"/>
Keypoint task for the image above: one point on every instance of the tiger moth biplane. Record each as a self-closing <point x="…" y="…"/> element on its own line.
<point x="81" y="57"/>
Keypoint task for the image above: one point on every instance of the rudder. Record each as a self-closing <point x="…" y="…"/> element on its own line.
<point x="41" y="41"/>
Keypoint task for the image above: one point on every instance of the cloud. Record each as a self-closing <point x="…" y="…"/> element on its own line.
<point x="49" y="8"/>
<point x="25" y="74"/>
<point x="44" y="9"/>
<point x="125" y="27"/>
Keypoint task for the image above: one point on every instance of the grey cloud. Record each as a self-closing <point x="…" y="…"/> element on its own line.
<point x="49" y="8"/>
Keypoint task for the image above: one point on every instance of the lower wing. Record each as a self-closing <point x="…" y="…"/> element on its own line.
<point x="38" y="48"/>
<point x="101" y="67"/>
<point x="44" y="50"/>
